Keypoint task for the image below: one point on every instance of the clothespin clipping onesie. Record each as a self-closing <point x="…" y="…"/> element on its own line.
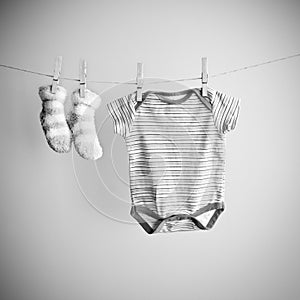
<point x="81" y="118"/>
<point x="204" y="76"/>
<point x="52" y="116"/>
<point x="139" y="81"/>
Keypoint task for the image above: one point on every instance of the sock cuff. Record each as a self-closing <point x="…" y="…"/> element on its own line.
<point x="45" y="94"/>
<point x="91" y="99"/>
<point x="82" y="110"/>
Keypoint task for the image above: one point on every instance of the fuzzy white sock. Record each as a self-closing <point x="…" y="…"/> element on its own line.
<point x="81" y="120"/>
<point x="52" y="118"/>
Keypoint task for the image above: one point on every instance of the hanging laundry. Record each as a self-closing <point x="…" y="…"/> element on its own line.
<point x="176" y="147"/>
<point x="52" y="118"/>
<point x="81" y="121"/>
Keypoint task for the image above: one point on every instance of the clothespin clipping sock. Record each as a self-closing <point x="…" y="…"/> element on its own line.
<point x="56" y="75"/>
<point x="81" y="119"/>
<point x="204" y="76"/>
<point x="139" y="82"/>
<point x="52" y="116"/>
<point x="82" y="77"/>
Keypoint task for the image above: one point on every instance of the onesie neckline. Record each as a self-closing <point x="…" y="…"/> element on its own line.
<point x="163" y="96"/>
<point x="166" y="96"/>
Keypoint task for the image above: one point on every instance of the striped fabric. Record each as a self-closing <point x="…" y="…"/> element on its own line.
<point x="176" y="147"/>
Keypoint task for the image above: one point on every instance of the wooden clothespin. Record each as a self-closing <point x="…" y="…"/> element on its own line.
<point x="139" y="81"/>
<point x="57" y="70"/>
<point x="204" y="76"/>
<point x="82" y="77"/>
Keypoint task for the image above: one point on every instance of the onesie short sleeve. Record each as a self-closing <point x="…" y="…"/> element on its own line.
<point x="122" y="112"/>
<point x="225" y="110"/>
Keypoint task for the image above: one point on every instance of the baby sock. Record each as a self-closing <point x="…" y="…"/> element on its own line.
<point x="81" y="121"/>
<point x="52" y="118"/>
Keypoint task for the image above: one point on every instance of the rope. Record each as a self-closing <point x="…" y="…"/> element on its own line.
<point x="154" y="82"/>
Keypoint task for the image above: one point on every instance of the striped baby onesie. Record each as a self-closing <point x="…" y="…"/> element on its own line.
<point x="176" y="147"/>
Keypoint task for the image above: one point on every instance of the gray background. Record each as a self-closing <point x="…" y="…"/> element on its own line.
<point x="65" y="229"/>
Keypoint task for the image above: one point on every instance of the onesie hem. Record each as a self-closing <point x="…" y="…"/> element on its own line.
<point x="136" y="212"/>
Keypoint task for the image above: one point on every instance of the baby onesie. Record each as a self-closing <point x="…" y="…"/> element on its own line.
<point x="176" y="147"/>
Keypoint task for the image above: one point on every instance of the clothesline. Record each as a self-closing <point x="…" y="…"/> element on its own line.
<point x="154" y="82"/>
